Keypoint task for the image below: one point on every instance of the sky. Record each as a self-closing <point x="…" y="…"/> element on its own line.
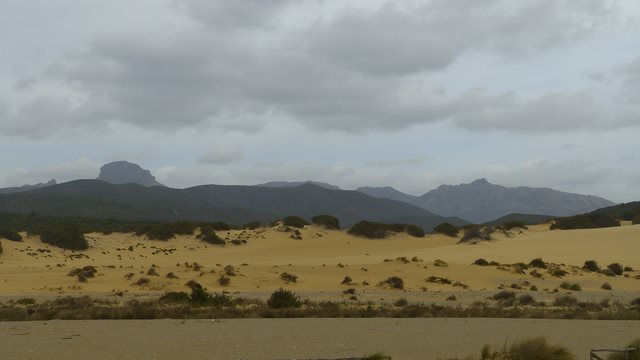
<point x="404" y="93"/>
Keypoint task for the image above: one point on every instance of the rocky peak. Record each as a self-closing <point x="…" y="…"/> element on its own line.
<point x="124" y="172"/>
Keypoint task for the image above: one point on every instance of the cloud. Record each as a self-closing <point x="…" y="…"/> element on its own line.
<point x="403" y="37"/>
<point x="82" y="168"/>
<point x="232" y="15"/>
<point x="352" y="71"/>
<point x="222" y="155"/>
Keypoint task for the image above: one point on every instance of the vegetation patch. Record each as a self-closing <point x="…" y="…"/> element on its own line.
<point x="587" y="221"/>
<point x="294" y="221"/>
<point x="447" y="229"/>
<point x="327" y="221"/>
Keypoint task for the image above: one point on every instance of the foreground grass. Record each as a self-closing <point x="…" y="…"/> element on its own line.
<point x="86" y="308"/>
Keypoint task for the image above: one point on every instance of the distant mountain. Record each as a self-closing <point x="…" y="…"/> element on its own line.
<point x="233" y="204"/>
<point x="389" y="193"/>
<point x="288" y="184"/>
<point x="124" y="172"/>
<point x="481" y="201"/>
<point x="11" y="190"/>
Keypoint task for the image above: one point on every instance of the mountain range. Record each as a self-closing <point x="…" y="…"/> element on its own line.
<point x="125" y="190"/>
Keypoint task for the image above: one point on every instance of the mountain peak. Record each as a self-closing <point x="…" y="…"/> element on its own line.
<point x="481" y="181"/>
<point x="124" y="172"/>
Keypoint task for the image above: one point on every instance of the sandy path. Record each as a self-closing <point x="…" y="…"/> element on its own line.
<point x="295" y="338"/>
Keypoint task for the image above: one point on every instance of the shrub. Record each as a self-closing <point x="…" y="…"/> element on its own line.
<point x="294" y="221"/>
<point x="531" y="349"/>
<point x="451" y="297"/>
<point x="591" y="265"/>
<point x="283" y="299"/>
<point x="504" y="296"/>
<point x="526" y="299"/>
<point x="616" y="268"/>
<point x="327" y="221"/>
<point x="636" y="220"/>
<point x="175" y="297"/>
<point x="440" y="263"/>
<point x="401" y="302"/>
<point x="568" y="286"/>
<point x="10" y="234"/>
<point x="446" y="229"/>
<point x="208" y="235"/>
<point x="288" y="278"/>
<point x="514" y="224"/>
<point x="635" y="302"/>
<point x="587" y="221"/>
<point x="224" y="280"/>
<point x="558" y="273"/>
<point x="347" y="280"/>
<point x="221" y="226"/>
<point x="565" y="301"/>
<point x="66" y="237"/>
<point x="370" y="230"/>
<point x="481" y="262"/>
<point x="394" y="282"/>
<point x="474" y="232"/>
<point x="251" y="225"/>
<point x="608" y="272"/>
<point x="415" y="231"/>
<point x="438" y="280"/>
<point x="606" y="286"/>
<point x="538" y="263"/>
<point x="635" y="355"/>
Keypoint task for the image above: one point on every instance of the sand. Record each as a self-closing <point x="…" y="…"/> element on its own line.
<point x="321" y="260"/>
<point x="296" y="338"/>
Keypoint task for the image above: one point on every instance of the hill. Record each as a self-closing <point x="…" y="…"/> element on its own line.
<point x="481" y="201"/>
<point x="11" y="190"/>
<point x="389" y="193"/>
<point x="124" y="172"/>
<point x="232" y="204"/>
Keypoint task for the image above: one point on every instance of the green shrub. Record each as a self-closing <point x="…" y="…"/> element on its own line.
<point x="251" y="225"/>
<point x="370" y="230"/>
<point x="208" y="235"/>
<point x="447" y="229"/>
<point x="565" y="301"/>
<point x="568" y="286"/>
<point x="481" y="262"/>
<point x="175" y="297"/>
<point x="10" y="234"/>
<point x="616" y="268"/>
<point x="221" y="226"/>
<point x="284" y="299"/>
<point x="526" y="299"/>
<point x="224" y="280"/>
<point x="474" y="232"/>
<point x="514" y="224"/>
<point x="538" y="263"/>
<point x="606" y="286"/>
<point x="294" y="221"/>
<point x="587" y="221"/>
<point x="327" y="221"/>
<point x="66" y="237"/>
<point x="591" y="265"/>
<point x="415" y="231"/>
<point x="394" y="282"/>
<point x="288" y="278"/>
<point x="438" y="280"/>
<point x="504" y="296"/>
<point x="531" y="349"/>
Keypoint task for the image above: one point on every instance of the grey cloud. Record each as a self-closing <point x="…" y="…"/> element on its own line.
<point x="334" y="75"/>
<point x="630" y="76"/>
<point x="222" y="155"/>
<point x="235" y="14"/>
<point x="403" y="37"/>
<point x="82" y="168"/>
<point x="545" y="113"/>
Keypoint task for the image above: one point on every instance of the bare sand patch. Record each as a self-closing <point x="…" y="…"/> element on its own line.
<point x="296" y="338"/>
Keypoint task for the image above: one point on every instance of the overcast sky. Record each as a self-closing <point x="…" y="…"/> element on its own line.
<point x="405" y="93"/>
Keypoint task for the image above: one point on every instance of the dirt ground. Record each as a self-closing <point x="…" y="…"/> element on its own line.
<point x="296" y="338"/>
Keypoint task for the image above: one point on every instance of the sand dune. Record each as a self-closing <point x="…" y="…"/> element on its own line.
<point x="321" y="260"/>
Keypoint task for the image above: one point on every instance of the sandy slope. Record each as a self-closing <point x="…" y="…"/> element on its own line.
<point x="321" y="260"/>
